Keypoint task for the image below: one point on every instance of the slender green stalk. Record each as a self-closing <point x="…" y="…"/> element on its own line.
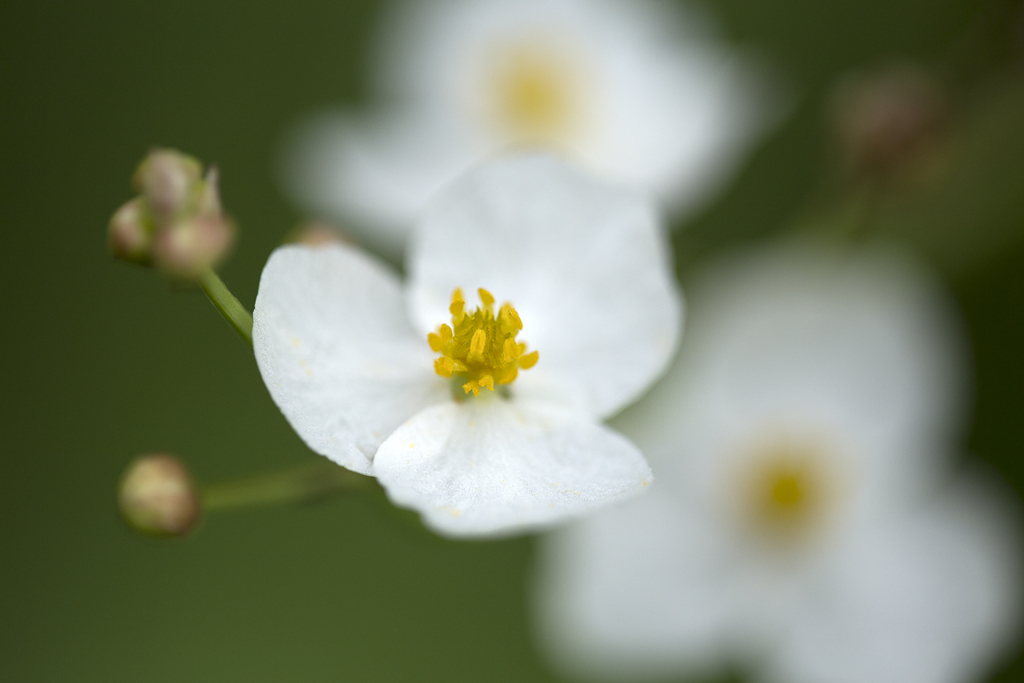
<point x="227" y="304"/>
<point x="297" y="485"/>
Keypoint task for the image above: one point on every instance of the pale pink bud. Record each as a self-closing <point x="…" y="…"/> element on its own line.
<point x="157" y="496"/>
<point x="130" y="233"/>
<point x="187" y="249"/>
<point x="169" y="181"/>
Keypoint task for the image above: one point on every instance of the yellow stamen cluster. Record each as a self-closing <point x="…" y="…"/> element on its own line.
<point x="480" y="345"/>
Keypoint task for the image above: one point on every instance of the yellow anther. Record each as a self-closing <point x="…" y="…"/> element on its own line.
<point x="477" y="346"/>
<point x="510" y="321"/>
<point x="508" y="351"/>
<point x="444" y="366"/>
<point x="506" y="374"/>
<point x="480" y="346"/>
<point x="438" y="340"/>
<point x="457" y="304"/>
<point x="485" y="297"/>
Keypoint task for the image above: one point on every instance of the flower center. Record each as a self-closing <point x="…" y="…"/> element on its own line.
<point x="786" y="491"/>
<point x="787" y="488"/>
<point x="534" y="94"/>
<point x="481" y="346"/>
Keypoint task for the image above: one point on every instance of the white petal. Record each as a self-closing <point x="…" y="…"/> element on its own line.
<point x="643" y="589"/>
<point x="584" y="263"/>
<point x="373" y="174"/>
<point x="674" y="111"/>
<point x="337" y="353"/>
<point x="492" y="467"/>
<point x="933" y="598"/>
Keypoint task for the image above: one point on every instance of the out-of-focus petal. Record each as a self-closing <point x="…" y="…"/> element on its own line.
<point x="931" y="598"/>
<point x="638" y="590"/>
<point x="490" y="466"/>
<point x="373" y="174"/>
<point x="584" y="263"/>
<point x="337" y="353"/>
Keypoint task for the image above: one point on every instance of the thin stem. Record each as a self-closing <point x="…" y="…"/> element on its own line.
<point x="297" y="485"/>
<point x="227" y="304"/>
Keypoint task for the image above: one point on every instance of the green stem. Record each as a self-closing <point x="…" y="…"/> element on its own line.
<point x="227" y="304"/>
<point x="289" y="486"/>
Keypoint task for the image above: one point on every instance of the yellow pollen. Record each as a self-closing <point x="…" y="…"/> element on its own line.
<point x="481" y="346"/>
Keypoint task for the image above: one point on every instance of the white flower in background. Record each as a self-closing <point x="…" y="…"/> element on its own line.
<point x="363" y="370"/>
<point x="633" y="90"/>
<point x="803" y="524"/>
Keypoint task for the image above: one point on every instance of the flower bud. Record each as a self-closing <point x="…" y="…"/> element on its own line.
<point x="130" y="233"/>
<point x="888" y="119"/>
<point x="185" y="250"/>
<point x="157" y="496"/>
<point x="169" y="181"/>
<point x="209" y="195"/>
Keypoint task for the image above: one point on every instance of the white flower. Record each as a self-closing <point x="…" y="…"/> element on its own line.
<point x="802" y="524"/>
<point x="345" y="353"/>
<point x="633" y="90"/>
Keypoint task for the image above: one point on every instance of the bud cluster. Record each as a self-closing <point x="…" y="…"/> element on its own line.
<point x="176" y="223"/>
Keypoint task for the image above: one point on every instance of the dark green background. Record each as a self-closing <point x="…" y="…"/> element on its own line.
<point x="101" y="361"/>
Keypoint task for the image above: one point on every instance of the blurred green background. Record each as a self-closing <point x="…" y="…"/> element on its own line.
<point x="102" y="361"/>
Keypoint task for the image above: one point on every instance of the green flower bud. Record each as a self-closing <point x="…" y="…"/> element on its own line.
<point x="157" y="496"/>
<point x="130" y="233"/>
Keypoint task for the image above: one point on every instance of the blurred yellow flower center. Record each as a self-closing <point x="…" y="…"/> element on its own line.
<point x="481" y="346"/>
<point x="787" y="488"/>
<point x="534" y="94"/>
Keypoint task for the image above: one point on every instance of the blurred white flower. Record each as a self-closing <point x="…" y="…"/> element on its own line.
<point x="346" y="354"/>
<point x="634" y="90"/>
<point x="803" y="524"/>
